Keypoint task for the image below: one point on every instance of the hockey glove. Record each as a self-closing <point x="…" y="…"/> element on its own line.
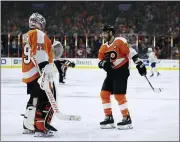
<point x="139" y="65"/>
<point x="46" y="76"/>
<point x="105" y="65"/>
<point x="72" y="64"/>
<point x="141" y="68"/>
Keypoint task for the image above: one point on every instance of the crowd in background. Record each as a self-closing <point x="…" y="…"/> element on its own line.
<point x="137" y="21"/>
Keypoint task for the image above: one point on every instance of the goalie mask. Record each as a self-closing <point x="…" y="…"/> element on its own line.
<point x="36" y="20"/>
<point x="57" y="49"/>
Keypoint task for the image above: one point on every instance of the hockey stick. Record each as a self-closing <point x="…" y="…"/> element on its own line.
<point x="156" y="90"/>
<point x="52" y="99"/>
<point x="158" y="61"/>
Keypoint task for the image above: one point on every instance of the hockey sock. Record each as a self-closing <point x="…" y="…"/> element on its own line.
<point x="121" y="99"/>
<point x="105" y="97"/>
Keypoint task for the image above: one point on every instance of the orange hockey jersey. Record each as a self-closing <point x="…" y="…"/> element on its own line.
<point x="118" y="52"/>
<point x="40" y="48"/>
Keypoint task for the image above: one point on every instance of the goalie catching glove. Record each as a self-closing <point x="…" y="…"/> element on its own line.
<point x="46" y="76"/>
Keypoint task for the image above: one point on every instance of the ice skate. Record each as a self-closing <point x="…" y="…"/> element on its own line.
<point x="50" y="127"/>
<point x="62" y="82"/>
<point x="44" y="134"/>
<point x="125" y="124"/>
<point x="108" y="123"/>
<point x="27" y="131"/>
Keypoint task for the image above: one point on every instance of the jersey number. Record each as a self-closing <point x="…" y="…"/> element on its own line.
<point x="27" y="58"/>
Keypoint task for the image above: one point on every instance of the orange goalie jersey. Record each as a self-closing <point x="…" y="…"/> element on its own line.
<point x="118" y="52"/>
<point x="40" y="48"/>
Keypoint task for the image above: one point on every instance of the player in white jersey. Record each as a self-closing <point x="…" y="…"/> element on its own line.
<point x="153" y="60"/>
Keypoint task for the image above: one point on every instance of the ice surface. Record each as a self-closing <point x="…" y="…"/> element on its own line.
<point x="155" y="116"/>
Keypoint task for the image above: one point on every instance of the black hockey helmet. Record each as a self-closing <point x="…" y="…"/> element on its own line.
<point x="108" y="28"/>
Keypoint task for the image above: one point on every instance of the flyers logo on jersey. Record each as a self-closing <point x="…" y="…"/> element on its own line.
<point x="111" y="55"/>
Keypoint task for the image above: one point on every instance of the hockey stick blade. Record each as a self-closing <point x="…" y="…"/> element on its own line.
<point x="156" y="90"/>
<point x="22" y="114"/>
<point x="68" y="117"/>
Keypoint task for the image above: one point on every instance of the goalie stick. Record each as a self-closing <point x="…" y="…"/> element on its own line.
<point x="51" y="98"/>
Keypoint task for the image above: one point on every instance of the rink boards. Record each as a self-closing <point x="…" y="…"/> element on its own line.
<point x="93" y="63"/>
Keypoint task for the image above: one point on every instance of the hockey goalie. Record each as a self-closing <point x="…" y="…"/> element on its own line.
<point x="37" y="72"/>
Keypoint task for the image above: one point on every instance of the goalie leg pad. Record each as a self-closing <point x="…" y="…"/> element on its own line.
<point x="43" y="119"/>
<point x="29" y="116"/>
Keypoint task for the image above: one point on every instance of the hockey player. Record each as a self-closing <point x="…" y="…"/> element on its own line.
<point x="114" y="59"/>
<point x="152" y="59"/>
<point x="72" y="65"/>
<point x="37" y="51"/>
<point x="61" y="64"/>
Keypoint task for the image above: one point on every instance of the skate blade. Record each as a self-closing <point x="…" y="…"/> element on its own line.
<point x="125" y="127"/>
<point x="41" y="134"/>
<point x="108" y="126"/>
<point x="26" y="131"/>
